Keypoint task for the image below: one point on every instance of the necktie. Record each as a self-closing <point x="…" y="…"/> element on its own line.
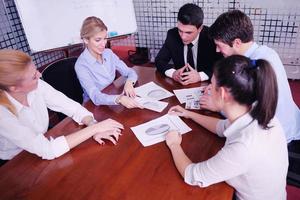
<point x="190" y="58"/>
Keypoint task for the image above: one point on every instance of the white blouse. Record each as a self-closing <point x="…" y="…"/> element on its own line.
<point x="254" y="161"/>
<point x="26" y="130"/>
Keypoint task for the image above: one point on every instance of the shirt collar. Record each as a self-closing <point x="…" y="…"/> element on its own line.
<point x="14" y="102"/>
<point x="17" y="104"/>
<point x="238" y="125"/>
<point x="195" y="41"/>
<point x="88" y="57"/>
<point x="251" y="50"/>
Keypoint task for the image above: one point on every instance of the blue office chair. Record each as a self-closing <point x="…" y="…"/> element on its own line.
<point x="62" y="76"/>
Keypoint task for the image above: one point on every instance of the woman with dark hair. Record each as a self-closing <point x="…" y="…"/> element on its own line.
<point x="254" y="159"/>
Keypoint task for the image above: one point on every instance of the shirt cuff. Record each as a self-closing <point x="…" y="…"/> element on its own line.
<point x="189" y="177"/>
<point x="115" y="99"/>
<point x="81" y="113"/>
<point x="60" y="146"/>
<point x="203" y="76"/>
<point x="132" y="81"/>
<point x="169" y="72"/>
<point x="110" y="100"/>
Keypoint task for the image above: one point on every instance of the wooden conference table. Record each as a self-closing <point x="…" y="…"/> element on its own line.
<point x="125" y="171"/>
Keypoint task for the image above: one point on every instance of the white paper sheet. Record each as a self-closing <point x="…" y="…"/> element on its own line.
<point x="152" y="91"/>
<point x="150" y="104"/>
<point x="183" y="94"/>
<point x="154" y="131"/>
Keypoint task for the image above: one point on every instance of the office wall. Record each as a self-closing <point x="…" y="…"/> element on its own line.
<point x="276" y="24"/>
<point x="12" y="34"/>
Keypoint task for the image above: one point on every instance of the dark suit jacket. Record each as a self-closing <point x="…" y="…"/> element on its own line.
<point x="173" y="49"/>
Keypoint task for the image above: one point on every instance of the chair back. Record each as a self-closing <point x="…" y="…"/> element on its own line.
<point x="62" y="76"/>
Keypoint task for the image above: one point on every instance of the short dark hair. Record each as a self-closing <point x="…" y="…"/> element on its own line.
<point x="251" y="83"/>
<point x="230" y="26"/>
<point x="190" y="14"/>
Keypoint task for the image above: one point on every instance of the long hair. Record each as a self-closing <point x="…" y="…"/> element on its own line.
<point x="250" y="82"/>
<point x="13" y="64"/>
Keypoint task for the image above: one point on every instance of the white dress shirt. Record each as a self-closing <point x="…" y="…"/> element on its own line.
<point x="26" y="130"/>
<point x="202" y="75"/>
<point x="254" y="161"/>
<point x="287" y="111"/>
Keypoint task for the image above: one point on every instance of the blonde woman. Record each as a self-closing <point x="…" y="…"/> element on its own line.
<point x="96" y="67"/>
<point x="24" y="100"/>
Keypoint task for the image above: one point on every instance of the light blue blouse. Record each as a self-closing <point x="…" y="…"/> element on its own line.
<point x="287" y="111"/>
<point x="94" y="76"/>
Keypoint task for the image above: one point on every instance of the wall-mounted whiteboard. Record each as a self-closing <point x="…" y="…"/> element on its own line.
<point x="50" y="24"/>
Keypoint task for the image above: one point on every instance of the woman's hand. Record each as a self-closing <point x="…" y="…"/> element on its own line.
<point x="129" y="89"/>
<point x="129" y="102"/>
<point x="207" y="89"/>
<point x="107" y="129"/>
<point x="112" y="135"/>
<point x="179" y="111"/>
<point x="173" y="138"/>
<point x="107" y="125"/>
<point x="206" y="101"/>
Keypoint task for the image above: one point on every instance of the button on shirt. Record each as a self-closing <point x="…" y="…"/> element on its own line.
<point x="287" y="112"/>
<point x="254" y="161"/>
<point x="26" y="130"/>
<point x="94" y="76"/>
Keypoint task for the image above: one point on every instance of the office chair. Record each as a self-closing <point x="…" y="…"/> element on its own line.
<point x="62" y="76"/>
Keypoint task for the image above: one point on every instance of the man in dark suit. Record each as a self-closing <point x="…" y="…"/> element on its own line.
<point x="193" y="53"/>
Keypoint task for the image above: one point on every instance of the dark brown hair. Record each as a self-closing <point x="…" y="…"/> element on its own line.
<point x="250" y="82"/>
<point x="190" y="14"/>
<point x="230" y="26"/>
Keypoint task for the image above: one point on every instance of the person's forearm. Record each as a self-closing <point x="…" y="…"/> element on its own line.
<point x="80" y="136"/>
<point x="99" y="98"/>
<point x="210" y="123"/>
<point x="180" y="159"/>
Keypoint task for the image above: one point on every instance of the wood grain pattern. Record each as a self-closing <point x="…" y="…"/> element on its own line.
<point x="125" y="171"/>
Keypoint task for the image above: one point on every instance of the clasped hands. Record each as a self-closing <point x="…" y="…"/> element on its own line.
<point x="186" y="75"/>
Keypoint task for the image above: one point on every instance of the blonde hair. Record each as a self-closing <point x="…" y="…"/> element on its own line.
<point x="91" y="26"/>
<point x="13" y="63"/>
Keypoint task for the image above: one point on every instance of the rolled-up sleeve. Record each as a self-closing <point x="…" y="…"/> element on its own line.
<point x="229" y="162"/>
<point x="61" y="145"/>
<point x="36" y="143"/>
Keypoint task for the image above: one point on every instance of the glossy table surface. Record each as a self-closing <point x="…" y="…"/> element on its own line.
<point x="125" y="171"/>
